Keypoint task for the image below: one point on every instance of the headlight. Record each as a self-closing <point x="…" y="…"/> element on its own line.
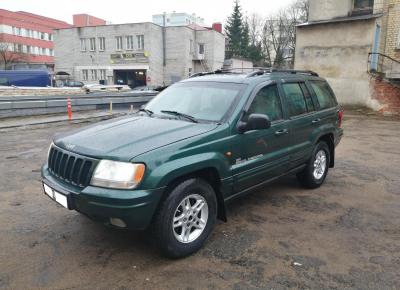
<point x="115" y="174"/>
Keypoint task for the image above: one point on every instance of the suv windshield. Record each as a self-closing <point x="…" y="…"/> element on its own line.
<point x="208" y="101"/>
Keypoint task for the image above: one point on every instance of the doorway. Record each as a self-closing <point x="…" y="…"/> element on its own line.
<point x="131" y="78"/>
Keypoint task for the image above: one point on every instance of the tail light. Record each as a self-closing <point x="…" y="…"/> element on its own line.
<point x="340" y="118"/>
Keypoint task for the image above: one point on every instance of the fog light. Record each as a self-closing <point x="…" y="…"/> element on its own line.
<point x="118" y="222"/>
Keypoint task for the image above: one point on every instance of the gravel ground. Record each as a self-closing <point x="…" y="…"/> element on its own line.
<point x="345" y="235"/>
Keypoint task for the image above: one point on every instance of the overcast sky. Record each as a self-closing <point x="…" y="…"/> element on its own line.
<point x="123" y="11"/>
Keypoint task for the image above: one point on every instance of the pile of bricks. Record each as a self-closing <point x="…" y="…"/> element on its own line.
<point x="6" y="92"/>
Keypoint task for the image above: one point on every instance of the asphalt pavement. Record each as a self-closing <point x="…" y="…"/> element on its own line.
<point x="344" y="235"/>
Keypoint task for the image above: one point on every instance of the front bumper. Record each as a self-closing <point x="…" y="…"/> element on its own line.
<point x="135" y="207"/>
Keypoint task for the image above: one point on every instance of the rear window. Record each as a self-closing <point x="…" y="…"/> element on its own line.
<point x="324" y="94"/>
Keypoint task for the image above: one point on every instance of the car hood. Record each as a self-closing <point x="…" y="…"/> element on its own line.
<point x="125" y="138"/>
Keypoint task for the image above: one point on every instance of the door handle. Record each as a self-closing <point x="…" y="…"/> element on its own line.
<point x="316" y="121"/>
<point x="281" y="132"/>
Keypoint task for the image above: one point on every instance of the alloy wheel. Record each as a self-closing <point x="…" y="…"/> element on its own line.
<point x="319" y="164"/>
<point x="190" y="218"/>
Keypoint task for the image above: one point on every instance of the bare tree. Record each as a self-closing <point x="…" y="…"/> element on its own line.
<point x="8" y="56"/>
<point x="255" y="23"/>
<point x="279" y="34"/>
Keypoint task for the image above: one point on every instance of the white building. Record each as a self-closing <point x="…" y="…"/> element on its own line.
<point x="177" y="19"/>
<point x="137" y="54"/>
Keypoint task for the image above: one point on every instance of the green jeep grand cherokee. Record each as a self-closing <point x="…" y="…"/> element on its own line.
<point x="199" y="144"/>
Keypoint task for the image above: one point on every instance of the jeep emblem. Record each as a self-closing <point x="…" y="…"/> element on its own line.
<point x="70" y="146"/>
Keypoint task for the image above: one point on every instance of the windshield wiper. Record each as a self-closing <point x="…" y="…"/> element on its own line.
<point x="148" y="112"/>
<point x="175" y="113"/>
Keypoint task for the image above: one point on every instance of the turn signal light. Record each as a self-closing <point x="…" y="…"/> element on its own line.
<point x="139" y="173"/>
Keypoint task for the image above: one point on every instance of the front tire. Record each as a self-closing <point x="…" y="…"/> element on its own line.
<point x="185" y="218"/>
<point x="313" y="176"/>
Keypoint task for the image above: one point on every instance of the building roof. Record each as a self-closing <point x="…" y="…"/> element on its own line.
<point x="342" y="19"/>
<point x="31" y="21"/>
<point x="192" y="26"/>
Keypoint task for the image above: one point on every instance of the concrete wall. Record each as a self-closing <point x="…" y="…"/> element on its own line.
<point x="329" y="9"/>
<point x="339" y="52"/>
<point x="236" y="63"/>
<point x="214" y="48"/>
<point x="178" y="57"/>
<point x="70" y="58"/>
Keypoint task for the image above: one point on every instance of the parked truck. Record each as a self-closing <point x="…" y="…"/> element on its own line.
<point x="25" y="78"/>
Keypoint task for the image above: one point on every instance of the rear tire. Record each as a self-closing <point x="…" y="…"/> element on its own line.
<point x="185" y="218"/>
<point x="313" y="176"/>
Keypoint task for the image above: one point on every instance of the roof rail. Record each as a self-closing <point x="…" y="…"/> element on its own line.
<point x="262" y="71"/>
<point x="218" y="71"/>
<point x="295" y="71"/>
<point x="257" y="71"/>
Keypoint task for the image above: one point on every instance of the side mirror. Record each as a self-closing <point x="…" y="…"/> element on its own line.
<point x="255" y="122"/>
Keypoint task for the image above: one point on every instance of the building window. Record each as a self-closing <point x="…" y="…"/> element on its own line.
<point x="129" y="42"/>
<point x="83" y="44"/>
<point x="43" y="51"/>
<point x="85" y="75"/>
<point x="201" y="48"/>
<point x="102" y="43"/>
<point x="28" y="49"/>
<point x="102" y="73"/>
<point x="118" y="43"/>
<point x="140" y="42"/>
<point x="42" y="36"/>
<point x="17" y="31"/>
<point x="191" y="47"/>
<point x="93" y="74"/>
<point x="92" y="44"/>
<point x="51" y="52"/>
<point x="363" y="4"/>
<point x="51" y="37"/>
<point x="17" y="47"/>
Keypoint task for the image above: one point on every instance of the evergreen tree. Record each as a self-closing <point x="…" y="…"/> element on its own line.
<point x="256" y="54"/>
<point x="234" y="32"/>
<point x="245" y="41"/>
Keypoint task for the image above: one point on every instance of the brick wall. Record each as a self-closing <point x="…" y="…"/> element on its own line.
<point x="387" y="94"/>
<point x="391" y="29"/>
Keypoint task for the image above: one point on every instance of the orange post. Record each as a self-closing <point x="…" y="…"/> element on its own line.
<point x="69" y="109"/>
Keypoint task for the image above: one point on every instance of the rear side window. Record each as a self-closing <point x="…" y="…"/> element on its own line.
<point x="309" y="101"/>
<point x="324" y="94"/>
<point x="267" y="102"/>
<point x="295" y="99"/>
